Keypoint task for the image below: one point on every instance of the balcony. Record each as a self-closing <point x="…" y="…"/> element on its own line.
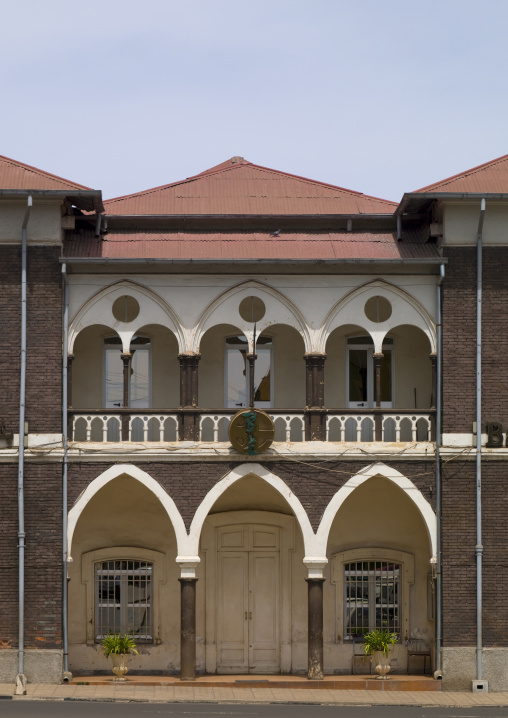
<point x="156" y="426"/>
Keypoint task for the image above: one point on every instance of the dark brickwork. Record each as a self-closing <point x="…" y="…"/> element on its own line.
<point x="188" y="483"/>
<point x="43" y="555"/>
<point x="459" y="338"/>
<point x="44" y="338"/>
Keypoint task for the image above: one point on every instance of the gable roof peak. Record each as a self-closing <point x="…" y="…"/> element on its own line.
<point x="18" y="175"/>
<point x="489" y="177"/>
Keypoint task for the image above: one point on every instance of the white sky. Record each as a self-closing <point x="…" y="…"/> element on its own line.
<point x="377" y="96"/>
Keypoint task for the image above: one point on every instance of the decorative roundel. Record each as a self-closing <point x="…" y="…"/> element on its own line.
<point x="252" y="309"/>
<point x="378" y="309"/>
<point x="251" y="431"/>
<point x="125" y="309"/>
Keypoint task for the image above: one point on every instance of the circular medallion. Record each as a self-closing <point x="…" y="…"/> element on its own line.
<point x="251" y="431"/>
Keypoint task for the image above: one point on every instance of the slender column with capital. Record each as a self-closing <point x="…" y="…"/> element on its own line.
<point x="70" y="359"/>
<point x="315" y="631"/>
<point x="188" y="629"/>
<point x="189" y="423"/>
<point x="378" y="416"/>
<point x="315" y="413"/>
<point x="127" y="360"/>
<point x="433" y="398"/>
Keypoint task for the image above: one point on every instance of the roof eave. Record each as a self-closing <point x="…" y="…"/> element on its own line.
<point x="420" y="197"/>
<point x="89" y="200"/>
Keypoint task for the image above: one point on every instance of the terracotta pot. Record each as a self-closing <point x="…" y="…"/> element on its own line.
<point x="120" y="661"/>
<point x="381" y="664"/>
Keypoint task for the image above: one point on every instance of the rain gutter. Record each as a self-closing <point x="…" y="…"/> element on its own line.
<point x="21" y="678"/>
<point x="439" y="429"/>
<point x="144" y="260"/>
<point x="479" y="546"/>
<point x="65" y="622"/>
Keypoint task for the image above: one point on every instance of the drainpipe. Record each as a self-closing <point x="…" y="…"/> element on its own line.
<point x="479" y="547"/>
<point x="439" y="429"/>
<point x="67" y="677"/>
<point x="21" y="678"/>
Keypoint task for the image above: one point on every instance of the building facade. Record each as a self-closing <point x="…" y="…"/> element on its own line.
<point x="125" y="505"/>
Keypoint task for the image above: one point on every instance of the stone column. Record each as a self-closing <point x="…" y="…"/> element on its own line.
<point x="188" y="582"/>
<point x="127" y="360"/>
<point x="251" y="360"/>
<point x="315" y="582"/>
<point x="315" y="413"/>
<point x="189" y="416"/>
<point x="188" y="629"/>
<point x="378" y="415"/>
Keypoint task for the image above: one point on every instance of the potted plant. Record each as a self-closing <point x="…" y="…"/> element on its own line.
<point x="120" y="648"/>
<point x="377" y="644"/>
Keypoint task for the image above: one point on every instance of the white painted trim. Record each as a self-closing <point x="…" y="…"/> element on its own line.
<point x="136" y="473"/>
<point x="387" y="472"/>
<point x="349" y="311"/>
<point x="93" y="312"/>
<point x="260" y="290"/>
<point x="309" y="538"/>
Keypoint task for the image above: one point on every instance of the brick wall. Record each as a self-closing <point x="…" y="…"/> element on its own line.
<point x="44" y="337"/>
<point x="188" y="483"/>
<point x="459" y="338"/>
<point x="43" y="554"/>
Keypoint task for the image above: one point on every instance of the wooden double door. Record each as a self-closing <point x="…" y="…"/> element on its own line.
<point x="248" y="599"/>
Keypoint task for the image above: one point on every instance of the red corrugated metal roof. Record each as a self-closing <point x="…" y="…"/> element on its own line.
<point x="252" y="245"/>
<point x="240" y="187"/>
<point x="490" y="177"/>
<point x="17" y="175"/>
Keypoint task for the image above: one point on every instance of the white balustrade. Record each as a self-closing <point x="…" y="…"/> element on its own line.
<point x="108" y="427"/>
<point x="396" y="427"/>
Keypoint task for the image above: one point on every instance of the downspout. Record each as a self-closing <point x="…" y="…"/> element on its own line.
<point x="21" y="678"/>
<point x="439" y="430"/>
<point x="67" y="677"/>
<point x="479" y="546"/>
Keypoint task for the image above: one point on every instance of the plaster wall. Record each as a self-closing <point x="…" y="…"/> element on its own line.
<point x="44" y="225"/>
<point x="198" y="303"/>
<point x="412" y="368"/>
<point x="460" y="223"/>
<point x="362" y="523"/>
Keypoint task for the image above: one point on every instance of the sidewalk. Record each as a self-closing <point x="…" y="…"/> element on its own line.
<point x="245" y="694"/>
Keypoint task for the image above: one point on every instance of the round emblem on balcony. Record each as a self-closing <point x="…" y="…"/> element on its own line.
<point x="251" y="431"/>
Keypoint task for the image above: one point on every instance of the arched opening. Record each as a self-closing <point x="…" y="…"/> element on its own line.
<point x="379" y="555"/>
<point x="123" y="577"/>
<point x="253" y="609"/>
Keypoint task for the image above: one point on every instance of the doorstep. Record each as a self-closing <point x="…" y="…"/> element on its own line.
<point x="347" y="683"/>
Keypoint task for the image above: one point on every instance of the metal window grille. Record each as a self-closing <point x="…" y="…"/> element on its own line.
<point x="123" y="599"/>
<point x="371" y="597"/>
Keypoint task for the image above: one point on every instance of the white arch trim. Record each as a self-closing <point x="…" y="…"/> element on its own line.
<point x="421" y="318"/>
<point x="92" y="312"/>
<point x="309" y="538"/>
<point x="136" y="473"/>
<point x="387" y="472"/>
<point x="300" y="324"/>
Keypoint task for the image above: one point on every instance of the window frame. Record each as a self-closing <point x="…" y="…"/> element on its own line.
<point x="263" y="405"/>
<point x="406" y="562"/>
<point x="122" y="553"/>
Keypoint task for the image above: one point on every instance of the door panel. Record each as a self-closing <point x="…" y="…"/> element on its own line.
<point x="232" y="612"/>
<point x="264" y="602"/>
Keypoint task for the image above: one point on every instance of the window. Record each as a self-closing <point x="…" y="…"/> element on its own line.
<point x="372" y="591"/>
<point x="237" y="373"/>
<point x="139" y="381"/>
<point x="371" y="597"/>
<point x="123" y="599"/>
<point x="361" y="377"/>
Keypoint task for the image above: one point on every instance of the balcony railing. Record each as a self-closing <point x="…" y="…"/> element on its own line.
<point x="347" y="425"/>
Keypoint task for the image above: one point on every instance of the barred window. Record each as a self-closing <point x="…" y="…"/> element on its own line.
<point x="123" y="599"/>
<point x="371" y="597"/>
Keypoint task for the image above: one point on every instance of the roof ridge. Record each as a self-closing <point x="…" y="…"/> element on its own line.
<point x="39" y="171"/>
<point x="463" y="174"/>
<point x="246" y="163"/>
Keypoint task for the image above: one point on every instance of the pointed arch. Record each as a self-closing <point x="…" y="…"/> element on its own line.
<point x="386" y="472"/>
<point x="406" y="309"/>
<point x="288" y="312"/>
<point x="133" y="472"/>
<point x="153" y="310"/>
<point x="274" y="481"/>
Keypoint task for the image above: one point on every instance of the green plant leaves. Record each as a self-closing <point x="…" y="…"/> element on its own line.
<point x="116" y="643"/>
